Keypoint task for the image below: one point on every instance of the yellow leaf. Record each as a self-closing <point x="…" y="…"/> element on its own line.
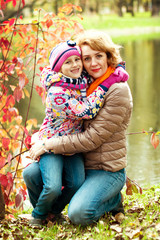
<point x="18" y="120"/>
<point x="30" y="123"/>
<point x="26" y="92"/>
<point x="60" y="15"/>
<point x="34" y="21"/>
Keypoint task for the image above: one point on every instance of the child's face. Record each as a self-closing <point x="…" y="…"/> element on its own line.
<point x="72" y="67"/>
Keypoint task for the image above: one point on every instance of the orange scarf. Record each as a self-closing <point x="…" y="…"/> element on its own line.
<point x="99" y="80"/>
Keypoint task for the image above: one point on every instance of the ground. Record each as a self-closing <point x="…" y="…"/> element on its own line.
<point x="141" y="221"/>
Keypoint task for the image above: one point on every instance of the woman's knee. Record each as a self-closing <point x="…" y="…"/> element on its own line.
<point x="74" y="214"/>
<point x="80" y="214"/>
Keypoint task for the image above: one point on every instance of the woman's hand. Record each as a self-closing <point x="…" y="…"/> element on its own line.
<point x="37" y="149"/>
<point x="34" y="138"/>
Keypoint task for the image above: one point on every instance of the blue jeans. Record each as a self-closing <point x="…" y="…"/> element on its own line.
<point x="44" y="181"/>
<point x="100" y="193"/>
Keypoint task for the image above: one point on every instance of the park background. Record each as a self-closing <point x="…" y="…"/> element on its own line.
<point x="133" y="24"/>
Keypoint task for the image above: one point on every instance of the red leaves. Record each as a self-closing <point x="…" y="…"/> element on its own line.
<point x="17" y="94"/>
<point x="20" y="197"/>
<point x="18" y="44"/>
<point x="3" y="180"/>
<point x="3" y="4"/>
<point x="4" y="42"/>
<point x="12" y="21"/>
<point x="5" y="143"/>
<point x="154" y="140"/>
<point x="49" y="23"/>
<point x="10" y="101"/>
<point x="28" y="142"/>
<point x="18" y="200"/>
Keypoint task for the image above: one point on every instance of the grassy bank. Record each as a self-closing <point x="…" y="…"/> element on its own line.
<point x="142" y="221"/>
<point x="115" y="22"/>
<point x="127" y="28"/>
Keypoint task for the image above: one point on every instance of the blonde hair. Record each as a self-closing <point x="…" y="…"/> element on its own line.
<point x="101" y="41"/>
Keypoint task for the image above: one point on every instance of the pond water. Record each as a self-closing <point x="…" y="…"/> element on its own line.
<point x="143" y="65"/>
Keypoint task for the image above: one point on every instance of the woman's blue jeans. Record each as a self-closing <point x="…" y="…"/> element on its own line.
<point x="100" y="193"/>
<point x="44" y="181"/>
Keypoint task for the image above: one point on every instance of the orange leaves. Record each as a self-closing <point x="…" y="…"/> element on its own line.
<point x="41" y="92"/>
<point x="2" y="162"/>
<point x="25" y="48"/>
<point x="154" y="140"/>
<point x="69" y="8"/>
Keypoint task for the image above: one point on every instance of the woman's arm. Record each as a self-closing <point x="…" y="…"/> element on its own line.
<point x="117" y="104"/>
<point x="109" y="119"/>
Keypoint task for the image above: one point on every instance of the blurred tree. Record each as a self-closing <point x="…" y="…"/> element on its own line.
<point x="155" y="7"/>
<point x="10" y="12"/>
<point x="119" y="4"/>
<point x="130" y="7"/>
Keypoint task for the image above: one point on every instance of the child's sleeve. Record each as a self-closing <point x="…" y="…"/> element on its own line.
<point x="48" y="77"/>
<point x="62" y="104"/>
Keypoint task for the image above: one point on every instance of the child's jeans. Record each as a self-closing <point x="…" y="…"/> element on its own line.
<point x="44" y="181"/>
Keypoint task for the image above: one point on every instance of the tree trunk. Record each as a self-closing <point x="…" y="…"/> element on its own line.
<point x="97" y="6"/>
<point x="155" y="7"/>
<point x="2" y="205"/>
<point x="130" y="8"/>
<point x="119" y="6"/>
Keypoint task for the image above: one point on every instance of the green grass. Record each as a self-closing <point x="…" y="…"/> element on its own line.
<point x="142" y="221"/>
<point x="113" y="21"/>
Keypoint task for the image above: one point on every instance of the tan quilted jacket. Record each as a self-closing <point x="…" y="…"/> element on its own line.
<point x="104" y="138"/>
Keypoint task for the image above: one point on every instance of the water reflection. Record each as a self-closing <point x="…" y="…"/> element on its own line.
<point x="142" y="58"/>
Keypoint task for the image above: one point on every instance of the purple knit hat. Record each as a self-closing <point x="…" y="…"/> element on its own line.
<point x="61" y="52"/>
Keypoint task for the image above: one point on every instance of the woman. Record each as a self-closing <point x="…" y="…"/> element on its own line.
<point x="103" y="141"/>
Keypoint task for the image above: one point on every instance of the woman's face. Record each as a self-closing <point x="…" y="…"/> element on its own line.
<point x="95" y="62"/>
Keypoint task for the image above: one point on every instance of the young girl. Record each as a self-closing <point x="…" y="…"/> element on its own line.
<point x="66" y="107"/>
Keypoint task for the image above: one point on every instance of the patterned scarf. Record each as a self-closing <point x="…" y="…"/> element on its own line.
<point x="80" y="83"/>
